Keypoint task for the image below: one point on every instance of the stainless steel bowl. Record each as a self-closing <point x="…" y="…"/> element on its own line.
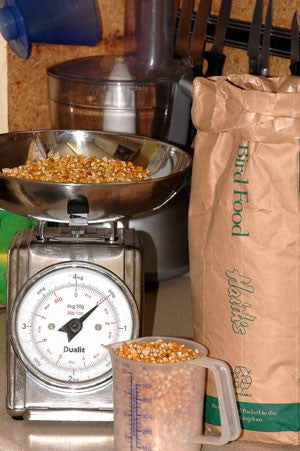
<point x="106" y="201"/>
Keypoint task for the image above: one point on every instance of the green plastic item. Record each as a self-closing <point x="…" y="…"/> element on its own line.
<point x="10" y="224"/>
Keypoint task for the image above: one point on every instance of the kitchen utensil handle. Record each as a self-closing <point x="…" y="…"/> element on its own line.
<point x="215" y="62"/>
<point x="295" y="68"/>
<point x="198" y="70"/>
<point x="230" y="422"/>
<point x="254" y="66"/>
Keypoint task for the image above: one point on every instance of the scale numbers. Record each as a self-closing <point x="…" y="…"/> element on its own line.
<point x="65" y="316"/>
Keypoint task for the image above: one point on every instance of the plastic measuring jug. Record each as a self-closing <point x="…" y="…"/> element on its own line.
<point x="159" y="407"/>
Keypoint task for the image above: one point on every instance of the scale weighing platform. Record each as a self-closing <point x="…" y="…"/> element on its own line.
<point x="75" y="282"/>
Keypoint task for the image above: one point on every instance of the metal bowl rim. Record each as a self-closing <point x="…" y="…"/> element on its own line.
<point x="142" y="182"/>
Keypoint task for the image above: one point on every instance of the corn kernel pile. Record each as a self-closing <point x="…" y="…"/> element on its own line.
<point x="157" y="351"/>
<point x="78" y="169"/>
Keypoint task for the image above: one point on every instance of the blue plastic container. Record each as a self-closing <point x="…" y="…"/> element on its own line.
<point x="72" y="22"/>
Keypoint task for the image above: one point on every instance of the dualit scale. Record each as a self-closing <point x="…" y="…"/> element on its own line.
<point x="75" y="281"/>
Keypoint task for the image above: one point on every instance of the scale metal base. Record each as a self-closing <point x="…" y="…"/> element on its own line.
<point x="29" y="396"/>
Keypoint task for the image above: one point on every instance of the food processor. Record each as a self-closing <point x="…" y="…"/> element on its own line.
<point x="136" y="93"/>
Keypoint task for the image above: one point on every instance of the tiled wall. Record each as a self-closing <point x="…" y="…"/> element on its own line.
<point x="27" y="80"/>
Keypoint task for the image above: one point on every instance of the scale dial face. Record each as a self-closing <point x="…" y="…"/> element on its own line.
<point x="64" y="317"/>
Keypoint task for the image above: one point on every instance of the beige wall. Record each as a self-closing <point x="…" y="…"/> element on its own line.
<point x="27" y="81"/>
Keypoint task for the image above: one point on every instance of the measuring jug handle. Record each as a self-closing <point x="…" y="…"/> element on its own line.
<point x="230" y="421"/>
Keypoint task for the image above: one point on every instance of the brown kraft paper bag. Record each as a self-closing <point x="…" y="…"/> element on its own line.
<point x="244" y="246"/>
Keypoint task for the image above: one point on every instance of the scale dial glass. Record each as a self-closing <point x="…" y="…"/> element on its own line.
<point x="65" y="316"/>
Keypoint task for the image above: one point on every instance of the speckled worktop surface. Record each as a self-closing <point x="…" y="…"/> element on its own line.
<point x="168" y="312"/>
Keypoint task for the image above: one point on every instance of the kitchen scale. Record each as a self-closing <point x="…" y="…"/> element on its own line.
<point x="75" y="281"/>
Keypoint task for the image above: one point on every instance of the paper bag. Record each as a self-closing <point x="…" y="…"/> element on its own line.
<point x="244" y="246"/>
